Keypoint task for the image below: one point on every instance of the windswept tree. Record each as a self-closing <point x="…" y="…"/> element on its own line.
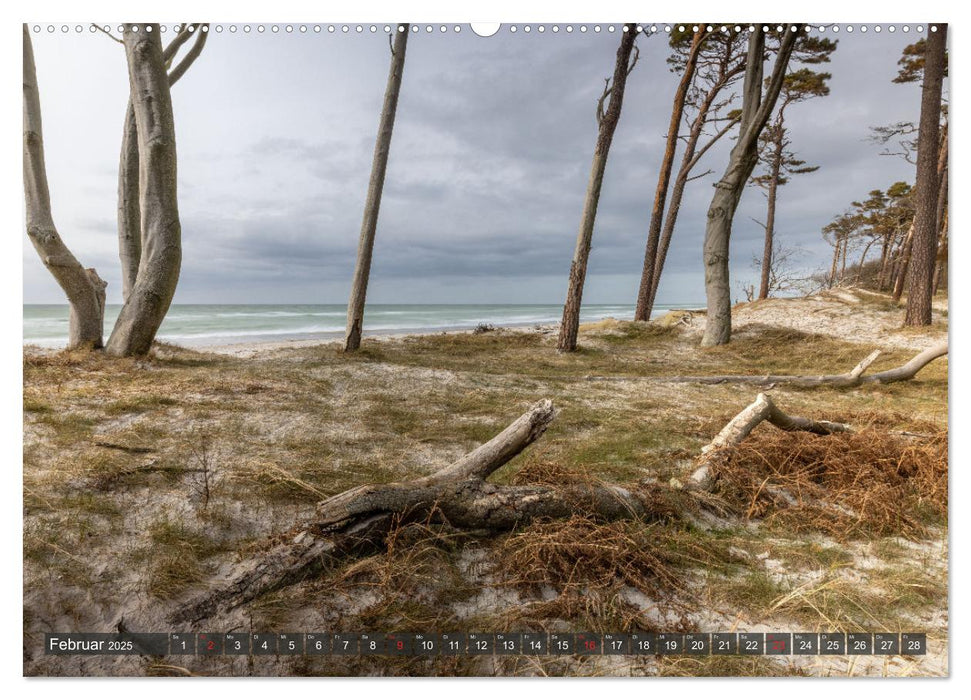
<point x="839" y="233"/>
<point x="642" y="312"/>
<point x="928" y="213"/>
<point x="901" y="139"/>
<point x="149" y="227"/>
<point x="756" y="110"/>
<point x="607" y="119"/>
<point x="84" y="289"/>
<point x="884" y="218"/>
<point x="778" y="161"/>
<point x="372" y="205"/>
<point x="707" y="117"/>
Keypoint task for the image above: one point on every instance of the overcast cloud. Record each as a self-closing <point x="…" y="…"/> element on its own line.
<point x="486" y="178"/>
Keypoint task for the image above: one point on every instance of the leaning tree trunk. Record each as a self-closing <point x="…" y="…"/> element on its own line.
<point x="920" y="291"/>
<point x="161" y="232"/>
<point x="837" y="242"/>
<point x="379" y="166"/>
<point x="688" y="161"/>
<point x="84" y="289"/>
<point x="129" y="216"/>
<point x="728" y="191"/>
<point x="643" y="309"/>
<point x="607" y="124"/>
<point x="770" y="214"/>
<point x="902" y="264"/>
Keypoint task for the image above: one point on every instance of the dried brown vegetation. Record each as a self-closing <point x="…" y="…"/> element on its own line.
<point x="846" y="485"/>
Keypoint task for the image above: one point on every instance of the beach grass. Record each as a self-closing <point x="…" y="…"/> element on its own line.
<point x="209" y="455"/>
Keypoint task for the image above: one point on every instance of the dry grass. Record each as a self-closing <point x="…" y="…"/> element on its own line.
<point x="847" y="485"/>
<point x="287" y="428"/>
<point x="582" y="553"/>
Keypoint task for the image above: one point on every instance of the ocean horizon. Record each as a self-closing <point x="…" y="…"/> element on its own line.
<point x="46" y="325"/>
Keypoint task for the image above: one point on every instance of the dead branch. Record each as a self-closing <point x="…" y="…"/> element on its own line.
<point x="107" y="33"/>
<point x="357" y="521"/>
<point x="201" y="32"/>
<point x="124" y="448"/>
<point x="853" y="378"/>
<point x="739" y="428"/>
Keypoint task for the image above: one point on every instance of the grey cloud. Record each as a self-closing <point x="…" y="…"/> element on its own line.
<point x="488" y="166"/>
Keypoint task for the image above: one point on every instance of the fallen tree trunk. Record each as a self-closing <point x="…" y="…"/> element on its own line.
<point x="357" y="521"/>
<point x="739" y="428"/>
<point x="853" y="378"/>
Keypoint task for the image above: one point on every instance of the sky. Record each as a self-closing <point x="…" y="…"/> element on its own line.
<point x="487" y="173"/>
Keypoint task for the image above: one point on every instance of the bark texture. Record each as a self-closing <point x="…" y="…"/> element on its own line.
<point x="85" y="291"/>
<point x="642" y="311"/>
<point x="129" y="215"/>
<point x="756" y="109"/>
<point x="372" y="205"/>
<point x="607" y="124"/>
<point x="161" y="233"/>
<point x="923" y="251"/>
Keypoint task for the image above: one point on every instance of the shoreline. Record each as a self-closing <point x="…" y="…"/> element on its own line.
<point x="249" y="348"/>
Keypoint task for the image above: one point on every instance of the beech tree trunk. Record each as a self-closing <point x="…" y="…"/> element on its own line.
<point x="728" y="191"/>
<point x="920" y="291"/>
<point x="643" y="309"/>
<point x="161" y="233"/>
<point x="379" y="166"/>
<point x="129" y="216"/>
<point x="607" y="124"/>
<point x="85" y="291"/>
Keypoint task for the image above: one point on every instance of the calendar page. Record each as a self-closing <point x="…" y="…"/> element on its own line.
<point x="469" y="349"/>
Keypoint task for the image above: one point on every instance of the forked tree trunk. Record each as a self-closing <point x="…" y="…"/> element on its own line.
<point x="920" y="291"/>
<point x="84" y="289"/>
<point x="161" y="233"/>
<point x="607" y="124"/>
<point x="728" y="191"/>
<point x="379" y="166"/>
<point x="129" y="216"/>
<point x="643" y="310"/>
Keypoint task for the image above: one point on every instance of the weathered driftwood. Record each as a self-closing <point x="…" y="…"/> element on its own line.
<point x="739" y="428"/>
<point x="357" y="520"/>
<point x="853" y="378"/>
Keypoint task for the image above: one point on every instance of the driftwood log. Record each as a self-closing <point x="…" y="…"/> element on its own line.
<point x="853" y="378"/>
<point x="357" y="521"/>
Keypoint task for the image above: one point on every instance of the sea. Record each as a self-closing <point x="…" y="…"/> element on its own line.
<point x="196" y="325"/>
